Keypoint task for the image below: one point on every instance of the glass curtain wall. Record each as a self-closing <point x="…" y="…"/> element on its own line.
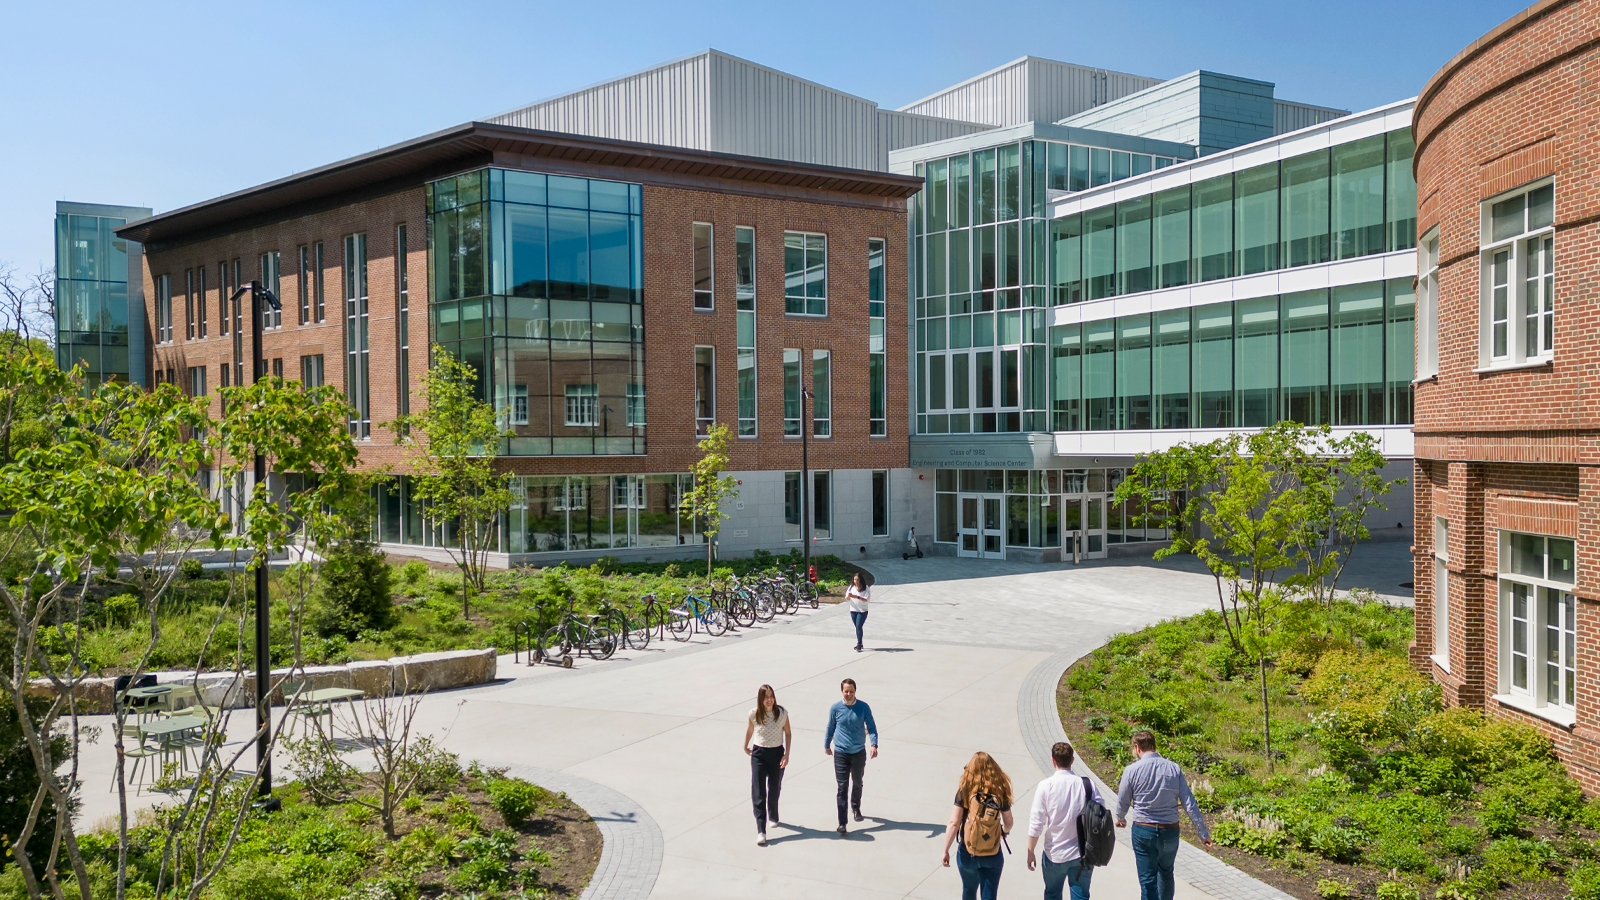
<point x="537" y="283"/>
<point x="92" y="297"/>
<point x="1354" y="200"/>
<point x="1340" y="356"/>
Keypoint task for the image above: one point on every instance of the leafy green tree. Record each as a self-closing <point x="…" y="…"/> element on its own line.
<point x="356" y="589"/>
<point x="1274" y="515"/>
<point x="711" y="488"/>
<point x="454" y="441"/>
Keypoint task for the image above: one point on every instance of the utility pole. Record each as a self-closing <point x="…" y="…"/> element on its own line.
<point x="805" y="473"/>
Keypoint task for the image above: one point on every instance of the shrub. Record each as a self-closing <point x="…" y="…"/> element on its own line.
<point x="1226" y="662"/>
<point x="1397" y="890"/>
<point x="1329" y="889"/>
<point x="1261" y="841"/>
<point x="1538" y="789"/>
<point x="413" y="572"/>
<point x="191" y="569"/>
<point x="1479" y="745"/>
<point x="1335" y="843"/>
<point x="122" y="610"/>
<point x="1584" y="882"/>
<point x="1431" y="776"/>
<point x="254" y="879"/>
<point x="355" y="594"/>
<point x="482" y="873"/>
<point x="1167" y="714"/>
<point x="516" y="800"/>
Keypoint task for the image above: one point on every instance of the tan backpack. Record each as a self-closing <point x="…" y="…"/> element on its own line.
<point x="980" y="832"/>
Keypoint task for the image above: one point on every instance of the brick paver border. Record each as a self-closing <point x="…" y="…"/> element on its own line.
<point x="630" y="857"/>
<point x="1041" y="728"/>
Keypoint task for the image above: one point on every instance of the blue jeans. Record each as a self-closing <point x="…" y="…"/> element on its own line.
<point x="979" y="874"/>
<point x="1071" y="874"/>
<point x="860" y="618"/>
<point x="1154" y="851"/>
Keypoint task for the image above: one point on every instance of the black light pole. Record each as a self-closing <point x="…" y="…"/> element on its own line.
<point x="263" y="630"/>
<point x="805" y="482"/>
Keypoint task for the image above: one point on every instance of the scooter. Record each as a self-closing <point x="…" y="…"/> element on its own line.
<point x="911" y="546"/>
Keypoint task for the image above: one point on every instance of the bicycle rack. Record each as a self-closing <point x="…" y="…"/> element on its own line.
<point x="519" y="632"/>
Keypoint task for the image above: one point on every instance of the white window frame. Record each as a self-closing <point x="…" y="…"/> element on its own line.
<point x="1441" y="592"/>
<point x="582" y="405"/>
<point x="806" y="239"/>
<point x="1428" y="306"/>
<point x="519" y="404"/>
<point x="1514" y="251"/>
<point x="163" y="309"/>
<point x="702" y="424"/>
<point x="821" y="426"/>
<point x="704" y="300"/>
<point x="1534" y="696"/>
<point x="271" y="270"/>
<point x="636" y="406"/>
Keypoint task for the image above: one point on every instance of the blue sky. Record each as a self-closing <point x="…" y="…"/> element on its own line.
<point x="164" y="104"/>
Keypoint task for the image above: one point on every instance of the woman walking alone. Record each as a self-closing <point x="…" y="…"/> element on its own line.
<point x="981" y="819"/>
<point x="769" y="724"/>
<point x="858" y="596"/>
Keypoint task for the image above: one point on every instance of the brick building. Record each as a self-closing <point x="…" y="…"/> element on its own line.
<point x="1507" y="485"/>
<point x="604" y="290"/>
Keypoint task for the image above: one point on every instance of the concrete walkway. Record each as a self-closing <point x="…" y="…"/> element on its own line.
<point x="963" y="656"/>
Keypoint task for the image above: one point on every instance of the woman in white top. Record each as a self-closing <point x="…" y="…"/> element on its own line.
<point x="769" y="724"/>
<point x="858" y="595"/>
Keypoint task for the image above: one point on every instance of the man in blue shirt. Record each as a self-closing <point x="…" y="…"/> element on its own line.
<point x="849" y="726"/>
<point x="1154" y="787"/>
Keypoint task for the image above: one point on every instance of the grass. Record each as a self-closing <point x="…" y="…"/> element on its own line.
<point x="1372" y="789"/>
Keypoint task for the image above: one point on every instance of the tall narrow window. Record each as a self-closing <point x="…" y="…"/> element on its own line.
<point x="163" y="309"/>
<point x="1519" y="243"/>
<point x="635" y="405"/>
<point x="805" y="274"/>
<point x="705" y="391"/>
<point x="224" y="298"/>
<point x="1401" y="194"/>
<point x="582" y="409"/>
<point x="702" y="266"/>
<point x="188" y="304"/>
<point x="317" y="290"/>
<point x="403" y="315"/>
<point x="877" y="375"/>
<point x="1441" y="592"/>
<point x="1538" y="621"/>
<point x="791" y="393"/>
<point x="311" y="371"/>
<point x="822" y="506"/>
<point x="1428" y="306"/>
<point x="303" y="286"/>
<point x="791" y="506"/>
<point x="1211" y="225"/>
<point x="1303" y="198"/>
<point x="744" y="289"/>
<point x="821" y="393"/>
<point x="200" y="299"/>
<point x="356" y="336"/>
<point x="880" y="504"/>
<point x="197" y="381"/>
<point x="271" y="318"/>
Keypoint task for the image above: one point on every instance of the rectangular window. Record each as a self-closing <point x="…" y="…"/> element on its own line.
<point x="1255" y="220"/>
<point x="960" y="191"/>
<point x="1010" y="183"/>
<point x="271" y="318"/>
<point x="1357" y="354"/>
<point x="163" y="309"/>
<point x="877" y="371"/>
<point x="744" y="276"/>
<point x="983" y="197"/>
<point x="357" y="347"/>
<point x="225" y="290"/>
<point x="1170" y="238"/>
<point x="311" y="371"/>
<point x="402" y="259"/>
<point x="1133" y="246"/>
<point x="702" y="266"/>
<point x="705" y="387"/>
<point x="188" y="304"/>
<point x="1099" y="167"/>
<point x="1169" y="373"/>
<point x="1304" y="202"/>
<point x="1066" y="259"/>
<point x="936" y="199"/>
<point x="1538" y="619"/>
<point x="321" y="304"/>
<point x="1441" y="592"/>
<point x="1133" y="372"/>
<point x="1099" y="377"/>
<point x="582" y="405"/>
<point x="791" y="393"/>
<point x="519" y="404"/>
<point x="277" y="367"/>
<point x="1400" y="315"/>
<point x="805" y="273"/>
<point x="1099" y="252"/>
<point x="1256" y="362"/>
<point x="1211" y="362"/>
<point x="821" y="393"/>
<point x="1357" y="186"/>
<point x="1518" y="259"/>
<point x="303" y="283"/>
<point x="1401" y="195"/>
<point x="791" y="506"/>
<point x="880" y="504"/>
<point x="1078" y="169"/>
<point x="635" y="406"/>
<point x="1304" y="359"/>
<point x="1066" y="378"/>
<point x="821" y="506"/>
<point x="197" y="381"/>
<point x="1427" y="301"/>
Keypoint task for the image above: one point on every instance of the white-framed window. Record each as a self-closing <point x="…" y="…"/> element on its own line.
<point x="1428" y="305"/>
<point x="635" y="406"/>
<point x="791" y="392"/>
<point x="1518" y="241"/>
<point x="163" y="309"/>
<point x="744" y="295"/>
<point x="821" y="393"/>
<point x="705" y="389"/>
<point x="1441" y="592"/>
<point x="311" y="371"/>
<point x="188" y="304"/>
<point x="704" y="277"/>
<point x="805" y="274"/>
<point x="582" y="406"/>
<point x="271" y="265"/>
<point x="1538" y="620"/>
<point x="627" y="492"/>
<point x="519" y="404"/>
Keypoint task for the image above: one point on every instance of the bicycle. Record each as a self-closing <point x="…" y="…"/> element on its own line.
<point x="589" y="634"/>
<point x="622" y="626"/>
<point x="805" y="589"/>
<point x="653" y="616"/>
<point x="759" y="601"/>
<point x="697" y="613"/>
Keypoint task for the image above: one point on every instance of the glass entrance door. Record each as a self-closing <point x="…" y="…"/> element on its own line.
<point x="982" y="526"/>
<point x="1083" y="515"/>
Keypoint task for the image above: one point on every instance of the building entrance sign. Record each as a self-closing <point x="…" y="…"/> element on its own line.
<point x="981" y="526"/>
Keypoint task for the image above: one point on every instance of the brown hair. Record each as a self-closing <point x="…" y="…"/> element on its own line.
<point x="1144" y="740"/>
<point x="860" y="579"/>
<point x="849" y="681"/>
<point x="761" y="707"/>
<point x="1062" y="753"/>
<point x="984" y="774"/>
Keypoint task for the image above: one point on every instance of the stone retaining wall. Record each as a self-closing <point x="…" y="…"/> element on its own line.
<point x="401" y="674"/>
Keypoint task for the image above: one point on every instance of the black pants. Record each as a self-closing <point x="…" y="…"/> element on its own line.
<point x="847" y="766"/>
<point x="766" y="780"/>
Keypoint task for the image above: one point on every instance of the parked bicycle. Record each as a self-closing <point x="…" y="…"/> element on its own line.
<point x="696" y="614"/>
<point x="589" y="634"/>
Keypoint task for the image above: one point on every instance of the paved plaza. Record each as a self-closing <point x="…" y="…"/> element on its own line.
<point x="963" y="656"/>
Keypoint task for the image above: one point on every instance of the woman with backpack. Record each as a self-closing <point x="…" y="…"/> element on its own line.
<point x="982" y="818"/>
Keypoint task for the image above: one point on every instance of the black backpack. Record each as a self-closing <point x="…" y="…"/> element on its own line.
<point x="1097" y="831"/>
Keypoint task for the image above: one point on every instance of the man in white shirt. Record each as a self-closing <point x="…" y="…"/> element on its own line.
<point x="1057" y="801"/>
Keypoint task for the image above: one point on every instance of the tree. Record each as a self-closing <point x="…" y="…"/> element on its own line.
<point x="711" y="488"/>
<point x="454" y="441"/>
<point x="1274" y="515"/>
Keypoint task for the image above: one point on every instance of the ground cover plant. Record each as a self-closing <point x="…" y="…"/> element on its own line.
<point x="365" y="607"/>
<point x="462" y="833"/>
<point x="1371" y="788"/>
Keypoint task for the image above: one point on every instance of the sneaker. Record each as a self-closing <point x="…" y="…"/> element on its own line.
<point x="858" y="648"/>
<point x="761" y="839"/>
<point x="843" y="830"/>
<point x="858" y="815"/>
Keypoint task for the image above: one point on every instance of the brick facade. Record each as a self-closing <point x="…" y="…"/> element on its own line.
<point x="772" y="197"/>
<point x="1514" y="449"/>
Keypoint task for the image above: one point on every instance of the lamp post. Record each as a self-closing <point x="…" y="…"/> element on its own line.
<point x="805" y="482"/>
<point x="263" y="650"/>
